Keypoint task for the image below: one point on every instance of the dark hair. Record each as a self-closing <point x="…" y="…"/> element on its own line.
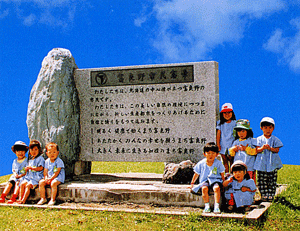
<point x="249" y="133"/>
<point x="223" y="120"/>
<point x="240" y="167"/>
<point x="265" y="123"/>
<point x="211" y="146"/>
<point x="32" y="144"/>
<point x="20" y="148"/>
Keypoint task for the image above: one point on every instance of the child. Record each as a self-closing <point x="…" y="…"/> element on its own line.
<point x="18" y="169"/>
<point x="244" y="147"/>
<point x="224" y="133"/>
<point x="240" y="189"/>
<point x="211" y="172"/>
<point x="54" y="174"/>
<point x="34" y="170"/>
<point x="267" y="161"/>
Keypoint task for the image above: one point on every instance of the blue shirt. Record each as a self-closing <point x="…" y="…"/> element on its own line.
<point x="242" y="155"/>
<point x="227" y="137"/>
<point x="52" y="168"/>
<point x="35" y="176"/>
<point x="268" y="161"/>
<point x="18" y="168"/>
<point x="241" y="198"/>
<point x="210" y="174"/>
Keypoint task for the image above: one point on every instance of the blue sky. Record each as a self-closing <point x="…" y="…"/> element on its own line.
<point x="256" y="43"/>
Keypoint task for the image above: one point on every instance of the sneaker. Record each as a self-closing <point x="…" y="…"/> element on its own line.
<point x="51" y="202"/>
<point x="42" y="201"/>
<point x="207" y="210"/>
<point x="217" y="211"/>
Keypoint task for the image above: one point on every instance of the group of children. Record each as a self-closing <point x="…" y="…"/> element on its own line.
<point x="242" y="156"/>
<point x="34" y="171"/>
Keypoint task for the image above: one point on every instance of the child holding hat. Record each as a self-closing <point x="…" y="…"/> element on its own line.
<point x="18" y="169"/>
<point x="244" y="147"/>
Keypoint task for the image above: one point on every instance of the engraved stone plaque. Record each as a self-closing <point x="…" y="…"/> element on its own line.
<point x="147" y="113"/>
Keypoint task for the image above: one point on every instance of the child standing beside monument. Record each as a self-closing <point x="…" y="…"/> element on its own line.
<point x="18" y="169"/>
<point x="54" y="174"/>
<point x="267" y="161"/>
<point x="34" y="170"/>
<point x="211" y="173"/>
<point x="225" y="136"/>
<point x="239" y="189"/>
<point x="244" y="147"/>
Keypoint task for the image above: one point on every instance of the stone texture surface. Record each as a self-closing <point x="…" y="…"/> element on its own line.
<point x="53" y="110"/>
<point x="157" y="122"/>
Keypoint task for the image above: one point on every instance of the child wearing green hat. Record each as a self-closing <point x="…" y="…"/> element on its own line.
<point x="245" y="146"/>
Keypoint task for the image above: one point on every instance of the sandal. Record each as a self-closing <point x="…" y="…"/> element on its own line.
<point x="230" y="207"/>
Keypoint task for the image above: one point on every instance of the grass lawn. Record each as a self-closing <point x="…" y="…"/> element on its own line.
<point x="284" y="214"/>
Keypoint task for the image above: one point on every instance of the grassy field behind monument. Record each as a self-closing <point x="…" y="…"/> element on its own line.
<point x="284" y="214"/>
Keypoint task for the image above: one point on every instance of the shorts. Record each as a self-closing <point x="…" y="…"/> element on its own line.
<point x="196" y="189"/>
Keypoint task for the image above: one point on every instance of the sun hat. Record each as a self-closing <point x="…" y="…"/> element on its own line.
<point x="267" y="119"/>
<point x="226" y="107"/>
<point x="238" y="163"/>
<point x="19" y="144"/>
<point x="243" y="124"/>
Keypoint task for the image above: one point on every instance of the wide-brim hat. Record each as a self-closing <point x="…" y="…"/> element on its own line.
<point x="267" y="119"/>
<point x="20" y="144"/>
<point x="238" y="163"/>
<point x="226" y="107"/>
<point x="243" y="124"/>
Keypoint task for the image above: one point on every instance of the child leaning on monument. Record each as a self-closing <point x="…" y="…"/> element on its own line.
<point x="18" y="169"/>
<point x="225" y="136"/>
<point x="34" y="170"/>
<point x="239" y="188"/>
<point x="211" y="176"/>
<point x="267" y="161"/>
<point x="244" y="147"/>
<point x="54" y="174"/>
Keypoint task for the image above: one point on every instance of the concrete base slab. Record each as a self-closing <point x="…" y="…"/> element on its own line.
<point x="134" y="192"/>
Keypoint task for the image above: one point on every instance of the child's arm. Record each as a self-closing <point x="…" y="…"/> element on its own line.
<point x="245" y="189"/>
<point x="266" y="146"/>
<point x="233" y="150"/>
<point x="195" y="177"/>
<point x="226" y="182"/>
<point x="37" y="169"/>
<point x="219" y="139"/>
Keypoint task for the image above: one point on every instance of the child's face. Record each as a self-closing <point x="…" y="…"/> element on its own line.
<point x="210" y="155"/>
<point x="227" y="115"/>
<point x="52" y="152"/>
<point x="34" y="151"/>
<point x="242" y="133"/>
<point x="20" y="154"/>
<point x="239" y="175"/>
<point x="267" y="130"/>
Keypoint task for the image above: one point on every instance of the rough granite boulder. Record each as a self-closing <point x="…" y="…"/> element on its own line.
<point x="53" y="110"/>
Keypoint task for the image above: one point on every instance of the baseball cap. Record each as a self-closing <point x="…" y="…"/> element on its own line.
<point x="267" y="119"/>
<point x="21" y="146"/>
<point x="227" y="107"/>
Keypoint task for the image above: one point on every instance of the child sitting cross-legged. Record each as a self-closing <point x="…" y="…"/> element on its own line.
<point x="211" y="176"/>
<point x="239" y="188"/>
<point x="54" y="174"/>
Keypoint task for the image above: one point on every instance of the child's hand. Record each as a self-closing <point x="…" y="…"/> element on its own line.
<point x="245" y="189"/>
<point x="243" y="148"/>
<point x="28" y="168"/>
<point x="266" y="146"/>
<point x="191" y="186"/>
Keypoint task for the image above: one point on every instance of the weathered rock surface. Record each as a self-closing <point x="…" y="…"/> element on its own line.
<point x="53" y="110"/>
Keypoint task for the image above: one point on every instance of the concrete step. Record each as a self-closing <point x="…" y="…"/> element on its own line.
<point x="139" y="188"/>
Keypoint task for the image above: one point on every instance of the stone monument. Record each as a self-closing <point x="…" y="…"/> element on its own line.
<point x="153" y="113"/>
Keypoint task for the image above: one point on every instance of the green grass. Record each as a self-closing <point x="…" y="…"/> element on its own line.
<point x="284" y="213"/>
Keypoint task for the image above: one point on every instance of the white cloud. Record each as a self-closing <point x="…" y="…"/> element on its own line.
<point x="189" y="30"/>
<point x="287" y="47"/>
<point x="55" y="13"/>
